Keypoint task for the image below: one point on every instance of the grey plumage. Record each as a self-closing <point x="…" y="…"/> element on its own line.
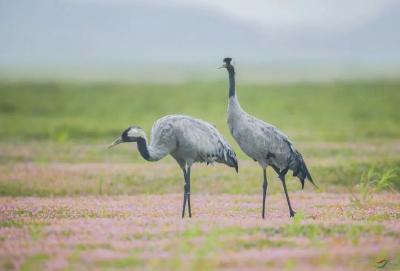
<point x="263" y="142"/>
<point x="189" y="140"/>
<point x="186" y="139"/>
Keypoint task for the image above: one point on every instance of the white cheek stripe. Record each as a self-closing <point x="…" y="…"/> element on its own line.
<point x="132" y="133"/>
<point x="136" y="133"/>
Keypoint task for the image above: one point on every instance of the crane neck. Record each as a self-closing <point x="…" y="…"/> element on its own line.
<point x="234" y="107"/>
<point x="149" y="152"/>
<point x="143" y="148"/>
<point x="231" y="73"/>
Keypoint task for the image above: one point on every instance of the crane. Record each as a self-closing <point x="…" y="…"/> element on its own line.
<point x="188" y="140"/>
<point x="263" y="142"/>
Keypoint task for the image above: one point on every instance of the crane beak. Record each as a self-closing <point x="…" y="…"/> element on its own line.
<point x="115" y="143"/>
<point x="223" y="66"/>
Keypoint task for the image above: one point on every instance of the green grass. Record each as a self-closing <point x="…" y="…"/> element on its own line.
<point x="35" y="262"/>
<point x="343" y="129"/>
<point x="212" y="179"/>
<point x="337" y="111"/>
<point x="52" y="143"/>
<point x="123" y="263"/>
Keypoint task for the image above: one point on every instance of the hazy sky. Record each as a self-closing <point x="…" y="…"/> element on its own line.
<point x="136" y="31"/>
<point x="278" y="13"/>
<point x="333" y="14"/>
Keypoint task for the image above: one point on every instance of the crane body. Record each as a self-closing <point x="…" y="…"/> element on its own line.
<point x="263" y="142"/>
<point x="188" y="140"/>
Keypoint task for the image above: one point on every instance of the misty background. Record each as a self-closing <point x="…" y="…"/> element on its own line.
<point x="176" y="40"/>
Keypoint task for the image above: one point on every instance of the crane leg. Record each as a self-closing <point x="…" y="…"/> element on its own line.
<point x="265" y="186"/>
<point x="184" y="193"/>
<point x="188" y="191"/>
<point x="291" y="212"/>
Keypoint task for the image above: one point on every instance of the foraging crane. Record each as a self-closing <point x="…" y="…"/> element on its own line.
<point x="186" y="139"/>
<point x="263" y="142"/>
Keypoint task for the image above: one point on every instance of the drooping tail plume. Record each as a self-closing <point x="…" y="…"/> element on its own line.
<point x="300" y="169"/>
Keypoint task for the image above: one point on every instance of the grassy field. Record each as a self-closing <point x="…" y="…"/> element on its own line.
<point x="339" y="111"/>
<point x="67" y="203"/>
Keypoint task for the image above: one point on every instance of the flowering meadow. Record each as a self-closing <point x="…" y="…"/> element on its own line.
<point x="68" y="203"/>
<point x="226" y="233"/>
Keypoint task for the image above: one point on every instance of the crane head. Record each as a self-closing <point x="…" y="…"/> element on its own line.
<point x="227" y="63"/>
<point x="227" y="60"/>
<point x="130" y="134"/>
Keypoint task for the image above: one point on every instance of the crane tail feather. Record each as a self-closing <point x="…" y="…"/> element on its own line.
<point x="234" y="163"/>
<point x="232" y="160"/>
<point x="301" y="171"/>
<point x="309" y="177"/>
